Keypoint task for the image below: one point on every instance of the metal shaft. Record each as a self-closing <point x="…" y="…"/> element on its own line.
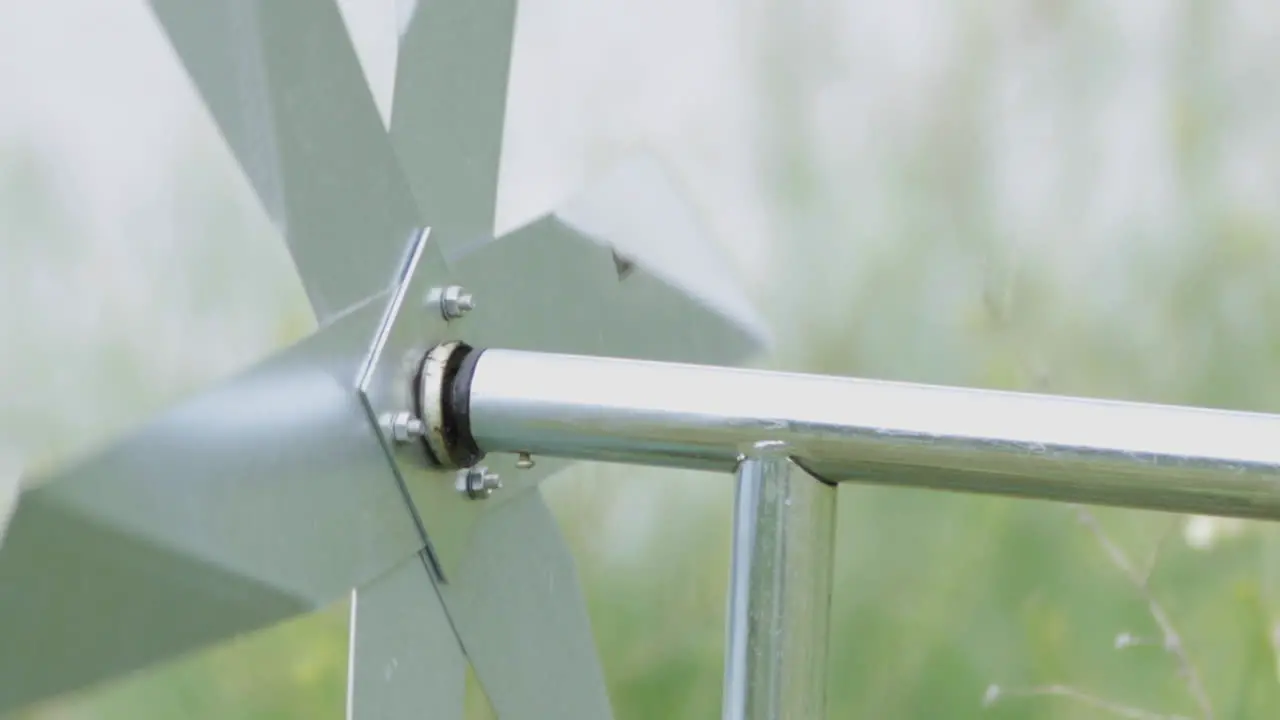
<point x="779" y="591"/>
<point x="845" y="429"/>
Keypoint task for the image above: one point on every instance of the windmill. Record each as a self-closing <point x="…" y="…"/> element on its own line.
<point x="395" y="454"/>
<point x="145" y="528"/>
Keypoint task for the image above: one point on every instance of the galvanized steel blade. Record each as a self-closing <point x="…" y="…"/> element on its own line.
<point x="263" y="497"/>
<point x="449" y="111"/>
<point x="518" y="607"/>
<point x="405" y="660"/>
<point x="622" y="270"/>
<point x="639" y="211"/>
<point x="283" y="82"/>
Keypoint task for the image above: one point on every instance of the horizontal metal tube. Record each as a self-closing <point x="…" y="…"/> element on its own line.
<point x="845" y="429"/>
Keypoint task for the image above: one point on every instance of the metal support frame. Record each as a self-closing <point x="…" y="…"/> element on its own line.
<point x="790" y="437"/>
<point x="779" y="603"/>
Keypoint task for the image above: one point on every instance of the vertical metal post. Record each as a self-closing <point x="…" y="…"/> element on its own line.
<point x="779" y="590"/>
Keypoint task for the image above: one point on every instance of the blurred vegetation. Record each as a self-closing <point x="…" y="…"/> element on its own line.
<point x="900" y="263"/>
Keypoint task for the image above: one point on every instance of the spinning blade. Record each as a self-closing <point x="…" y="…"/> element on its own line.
<point x="526" y="625"/>
<point x="449" y="111"/>
<point x="404" y="660"/>
<point x="283" y="82"/>
<point x="230" y="512"/>
<point x="670" y="301"/>
<point x="268" y="495"/>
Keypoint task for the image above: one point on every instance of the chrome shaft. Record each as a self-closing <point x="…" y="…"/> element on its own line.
<point x="850" y="430"/>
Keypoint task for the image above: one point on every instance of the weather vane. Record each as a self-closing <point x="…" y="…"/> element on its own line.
<point x="395" y="454"/>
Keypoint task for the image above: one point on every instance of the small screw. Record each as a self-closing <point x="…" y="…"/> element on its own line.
<point x="478" y="483"/>
<point x="524" y="461"/>
<point x="406" y="427"/>
<point x="455" y="302"/>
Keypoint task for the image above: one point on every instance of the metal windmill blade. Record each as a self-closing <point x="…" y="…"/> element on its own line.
<point x="313" y="473"/>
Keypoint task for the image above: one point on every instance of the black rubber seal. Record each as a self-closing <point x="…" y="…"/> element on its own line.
<point x="455" y="390"/>
<point x="456" y="403"/>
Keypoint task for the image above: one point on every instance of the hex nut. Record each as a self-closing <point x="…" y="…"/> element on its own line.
<point x="478" y="482"/>
<point x="405" y="427"/>
<point x="455" y="302"/>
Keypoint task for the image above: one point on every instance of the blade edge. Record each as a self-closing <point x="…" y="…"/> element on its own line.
<point x="519" y="610"/>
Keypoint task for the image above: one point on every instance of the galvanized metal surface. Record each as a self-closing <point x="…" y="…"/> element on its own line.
<point x="284" y="84"/>
<point x="404" y="657"/>
<point x="265" y="496"/>
<point x="449" y="113"/>
<point x="779" y="609"/>
<point x="517" y="606"/>
<point x="560" y="290"/>
<point x="849" y="430"/>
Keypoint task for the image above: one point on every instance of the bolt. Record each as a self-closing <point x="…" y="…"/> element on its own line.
<point x="478" y="483"/>
<point x="455" y="302"/>
<point x="406" y="427"/>
<point x="524" y="461"/>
